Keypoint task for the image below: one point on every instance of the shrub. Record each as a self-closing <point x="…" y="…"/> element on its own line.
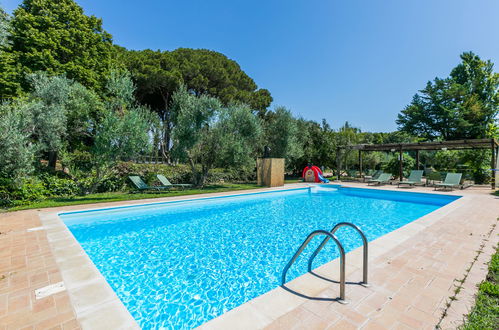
<point x="393" y="165"/>
<point x="176" y="174"/>
<point x="56" y="186"/>
<point x="18" y="193"/>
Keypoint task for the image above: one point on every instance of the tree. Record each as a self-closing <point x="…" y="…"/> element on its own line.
<point x="347" y="135"/>
<point x="393" y="165"/>
<point x="58" y="38"/>
<point x="281" y="134"/>
<point x="208" y="72"/>
<point x="123" y="132"/>
<point x="9" y="85"/>
<point x="158" y="75"/>
<point x="4" y="27"/>
<point x="209" y="135"/>
<point x="15" y="140"/>
<point x="49" y="113"/>
<point x="64" y="114"/>
<point x="464" y="105"/>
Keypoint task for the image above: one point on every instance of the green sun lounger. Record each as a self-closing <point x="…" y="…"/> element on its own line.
<point x="452" y="180"/>
<point x="373" y="177"/>
<point x="165" y="182"/>
<point x="140" y="185"/>
<point x="382" y="179"/>
<point x="414" y="178"/>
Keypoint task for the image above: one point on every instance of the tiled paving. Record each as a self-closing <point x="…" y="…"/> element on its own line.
<point x="413" y="272"/>
<point x="27" y="264"/>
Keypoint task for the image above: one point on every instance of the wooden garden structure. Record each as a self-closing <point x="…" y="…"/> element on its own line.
<point x="491" y="144"/>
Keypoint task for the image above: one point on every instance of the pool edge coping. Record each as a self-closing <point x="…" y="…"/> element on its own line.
<point x="72" y="261"/>
<point x="282" y="301"/>
<point x="91" y="310"/>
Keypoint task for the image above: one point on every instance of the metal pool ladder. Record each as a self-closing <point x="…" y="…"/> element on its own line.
<point x="330" y="235"/>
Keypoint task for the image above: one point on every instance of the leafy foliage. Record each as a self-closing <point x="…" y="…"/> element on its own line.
<point x="464" y="105"/>
<point x="202" y="72"/>
<point x="393" y="165"/>
<point x="15" y="144"/>
<point x="4" y="27"/>
<point x="208" y="135"/>
<point x="58" y="38"/>
<point x="123" y="131"/>
<point x="285" y="144"/>
<point x="64" y="113"/>
<point x="9" y="85"/>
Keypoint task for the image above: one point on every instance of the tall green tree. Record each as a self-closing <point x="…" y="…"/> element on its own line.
<point x="9" y="75"/>
<point x="157" y="77"/>
<point x="463" y="105"/>
<point x="4" y="27"/>
<point x="281" y="134"/>
<point x="208" y="72"/>
<point x="159" y="74"/>
<point x="55" y="36"/>
<point x="123" y="132"/>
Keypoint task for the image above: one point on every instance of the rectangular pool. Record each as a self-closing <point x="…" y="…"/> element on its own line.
<point x="180" y="264"/>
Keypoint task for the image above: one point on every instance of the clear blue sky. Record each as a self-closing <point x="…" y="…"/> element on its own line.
<point x="353" y="60"/>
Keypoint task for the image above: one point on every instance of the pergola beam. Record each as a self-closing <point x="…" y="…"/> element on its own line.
<point x="450" y="145"/>
<point x="434" y="145"/>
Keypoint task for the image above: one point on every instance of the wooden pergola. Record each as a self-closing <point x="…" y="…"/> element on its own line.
<point x="491" y="144"/>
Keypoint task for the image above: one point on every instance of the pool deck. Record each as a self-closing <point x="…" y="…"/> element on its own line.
<point x="413" y="273"/>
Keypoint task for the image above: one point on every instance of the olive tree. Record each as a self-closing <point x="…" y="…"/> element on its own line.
<point x="64" y="114"/>
<point x="208" y="135"/>
<point x="17" y="151"/>
<point x="286" y="143"/>
<point x="123" y="132"/>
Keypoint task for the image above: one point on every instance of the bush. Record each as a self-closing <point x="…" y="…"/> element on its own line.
<point x="119" y="178"/>
<point x="56" y="186"/>
<point x="176" y="174"/>
<point x="28" y="190"/>
<point x="393" y="165"/>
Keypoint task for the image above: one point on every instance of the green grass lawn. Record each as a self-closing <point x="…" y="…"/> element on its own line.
<point x="485" y="314"/>
<point x="292" y="180"/>
<point x="124" y="196"/>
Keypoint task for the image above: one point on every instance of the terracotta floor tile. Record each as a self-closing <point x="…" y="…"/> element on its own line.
<point x="417" y="272"/>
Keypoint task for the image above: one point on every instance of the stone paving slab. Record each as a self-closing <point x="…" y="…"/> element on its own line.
<point x="413" y="272"/>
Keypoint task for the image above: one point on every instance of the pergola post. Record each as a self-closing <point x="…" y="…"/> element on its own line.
<point x="401" y="164"/>
<point x="338" y="164"/>
<point x="493" y="165"/>
<point x="360" y="163"/>
<point x="473" y="144"/>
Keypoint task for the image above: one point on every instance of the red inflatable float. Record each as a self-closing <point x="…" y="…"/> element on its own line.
<point x="312" y="173"/>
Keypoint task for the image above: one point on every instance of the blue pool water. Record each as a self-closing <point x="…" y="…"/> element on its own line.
<point x="180" y="264"/>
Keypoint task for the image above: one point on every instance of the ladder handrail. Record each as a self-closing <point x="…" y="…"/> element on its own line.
<point x="333" y="231"/>
<point x="305" y="243"/>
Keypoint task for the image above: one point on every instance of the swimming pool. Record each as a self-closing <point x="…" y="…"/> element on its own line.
<point x="180" y="264"/>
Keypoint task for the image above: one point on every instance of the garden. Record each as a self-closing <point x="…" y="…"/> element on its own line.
<point x="80" y="115"/>
<point x="73" y="128"/>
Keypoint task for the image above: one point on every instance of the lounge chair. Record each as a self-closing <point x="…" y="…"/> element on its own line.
<point x="414" y="178"/>
<point x="382" y="179"/>
<point x="140" y="185"/>
<point x="374" y="176"/>
<point x="451" y="180"/>
<point x="165" y="182"/>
